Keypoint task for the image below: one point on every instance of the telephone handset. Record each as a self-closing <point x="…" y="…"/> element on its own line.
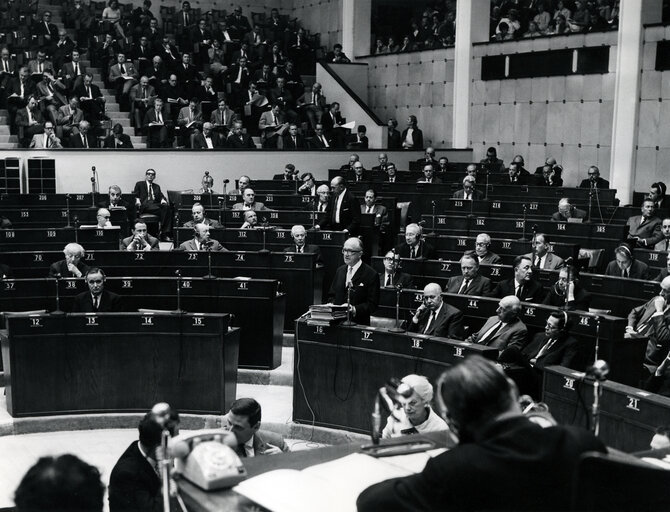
<point x="206" y="459"/>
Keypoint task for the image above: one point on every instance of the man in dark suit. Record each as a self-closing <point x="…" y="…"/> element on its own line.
<point x="392" y="277"/>
<point x="493" y="436"/>
<point x="83" y="139"/>
<point x="578" y="297"/>
<point x="30" y="119"/>
<point x="292" y="139"/>
<point x="134" y="483"/>
<point x="198" y="216"/>
<point x="313" y="104"/>
<point x="393" y="140"/>
<point x="515" y="177"/>
<point x="18" y="90"/>
<point x="429" y="175"/>
<point x="332" y="122"/>
<point x="118" y="139"/>
<point x="468" y="192"/>
<point x="594" y="180"/>
<point x="414" y="245"/>
<point x="208" y="139"/>
<point x="72" y="265"/>
<point x="115" y="201"/>
<point x="505" y="328"/>
<point x="91" y="99"/>
<point x="299" y="244"/>
<point x="665" y="272"/>
<point x="664" y="243"/>
<point x="567" y="211"/>
<point x="237" y="139"/>
<point x="541" y="257"/>
<point x="244" y="420"/>
<point x="7" y="67"/>
<point x="96" y="299"/>
<point x="370" y="207"/>
<point x="150" y="199"/>
<point x="471" y="282"/>
<point x="485" y="257"/>
<point x="361" y="278"/>
<point x="343" y="212"/>
<point x="201" y="241"/>
<point x="155" y="124"/>
<point x="645" y="230"/>
<point x="625" y="265"/>
<point x="522" y="285"/>
<point x="140" y="240"/>
<point x="435" y="317"/>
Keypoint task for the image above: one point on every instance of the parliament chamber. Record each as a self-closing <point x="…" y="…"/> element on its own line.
<point x="298" y="211"/>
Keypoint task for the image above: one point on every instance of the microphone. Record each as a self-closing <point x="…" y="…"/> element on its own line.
<point x="226" y="181"/>
<point x="599" y="370"/>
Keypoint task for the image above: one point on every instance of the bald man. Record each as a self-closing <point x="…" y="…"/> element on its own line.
<point x="505" y="328"/>
<point x="201" y="241"/>
<point x="343" y="212"/>
<point x="360" y="278"/>
<point x="437" y="318"/>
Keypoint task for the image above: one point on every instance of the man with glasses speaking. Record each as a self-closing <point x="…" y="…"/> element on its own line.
<point x="360" y="279"/>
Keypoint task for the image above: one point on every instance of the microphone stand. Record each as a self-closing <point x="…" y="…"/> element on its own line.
<point x="312" y="202"/>
<point x="533" y="251"/>
<point x="179" y="310"/>
<point x="597" y="347"/>
<point x="295" y="180"/>
<point x="176" y="223"/>
<point x="397" y="328"/>
<point x="590" y="202"/>
<point x="523" y="235"/>
<point x="165" y="470"/>
<point x="486" y="192"/>
<point x="58" y="310"/>
<point x="209" y="262"/>
<point x="349" y="322"/>
<point x="67" y="209"/>
<point x="220" y="200"/>
<point x="93" y="187"/>
<point x="225" y="202"/>
<point x="264" y="228"/>
<point x="567" y="299"/>
<point x="76" y="229"/>
<point x="432" y="204"/>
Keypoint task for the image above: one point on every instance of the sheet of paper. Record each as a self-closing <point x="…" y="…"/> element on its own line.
<point x="350" y="125"/>
<point x="413" y="462"/>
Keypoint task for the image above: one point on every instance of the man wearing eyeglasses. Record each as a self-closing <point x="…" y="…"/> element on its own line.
<point x="594" y="180"/>
<point x="392" y="277"/>
<point x="150" y="199"/>
<point x="357" y="278"/>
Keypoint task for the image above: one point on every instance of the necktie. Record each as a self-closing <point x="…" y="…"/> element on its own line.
<point x="389" y="280"/>
<point x="6" y="65"/>
<point x="123" y="69"/>
<point x="151" y="191"/>
<point x="490" y="333"/>
<point x="76" y="69"/>
<point x="464" y="286"/>
<point x="185" y="18"/>
<point x="519" y="291"/>
<point x="325" y="142"/>
<point x="40" y="67"/>
<point x="88" y="91"/>
<point x="430" y="322"/>
<point x="47" y="26"/>
<point x="160" y="117"/>
<point x="413" y="253"/>
<point x="144" y="92"/>
<point x="369" y="210"/>
<point x="545" y="348"/>
<point x="624" y="273"/>
<point x="96" y="302"/>
<point x="48" y="143"/>
<point x="392" y="180"/>
<point x="350" y="274"/>
<point x="667" y="244"/>
<point x="274" y="119"/>
<point x="30" y="116"/>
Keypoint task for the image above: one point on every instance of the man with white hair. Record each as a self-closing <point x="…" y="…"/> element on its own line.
<point x="567" y="211"/>
<point x="468" y="191"/>
<point x="505" y="328"/>
<point x="415" y="246"/>
<point x="72" y="265"/>
<point x="484" y="256"/>
<point x="102" y="220"/>
<point x="323" y="191"/>
<point x="250" y="220"/>
<point x="414" y="415"/>
<point x="201" y="241"/>
<point x="435" y="317"/>
<point x="300" y="245"/>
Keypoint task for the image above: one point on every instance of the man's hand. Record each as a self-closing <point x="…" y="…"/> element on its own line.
<point x="73" y="268"/>
<point x="271" y="450"/>
<point x="163" y="201"/>
<point x="138" y="203"/>
<point x="659" y="304"/>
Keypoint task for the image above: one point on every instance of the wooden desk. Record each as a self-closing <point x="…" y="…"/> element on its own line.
<point x="339" y="369"/>
<point x="56" y="238"/>
<point x="76" y="364"/>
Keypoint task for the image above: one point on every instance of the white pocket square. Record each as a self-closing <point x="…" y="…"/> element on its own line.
<point x="361" y="284"/>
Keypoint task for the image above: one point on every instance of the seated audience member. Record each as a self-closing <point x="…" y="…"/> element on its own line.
<point x="299" y="235"/>
<point x="554" y="346"/>
<point x="283" y="96"/>
<point x="391" y="173"/>
<point x="492" y="162"/>
<point x="442" y="166"/>
<point x="657" y="195"/>
<point x="140" y="240"/>
<point x="519" y="162"/>
<point x="7" y="68"/>
<point x="413" y="415"/>
<point x="313" y="104"/>
<point x="435" y="317"/>
<point x="123" y="76"/>
<point x="625" y="265"/>
<point x="472" y="171"/>
<point x="114" y="200"/>
<point x="289" y="174"/>
<point x="594" y="180"/>
<point x="542" y="258"/>
<point x="394" y="138"/>
<point x="337" y="55"/>
<point x="134" y="483"/>
<point x="665" y="272"/>
<point x="83" y="139"/>
<point x="468" y="192"/>
<point x="383" y="160"/>
<point x="349" y="166"/>
<point x="72" y="265"/>
<point x="504" y="329"/>
<point x="471" y="282"/>
<point x="358" y="173"/>
<point x="380" y="212"/>
<point x="292" y="139"/>
<point x="650" y="320"/>
<point x="18" y="91"/>
<point x="485" y="257"/>
<point x="515" y="176"/>
<point x="244" y="420"/>
<point x="577" y="296"/>
<point x="493" y="436"/>
<point x="249" y="202"/>
<point x="343" y="212"/>
<point x="69" y="117"/>
<point x="60" y="483"/>
<point x="118" y="139"/>
<point x="567" y="211"/>
<point x="208" y="139"/>
<point x="550" y="176"/>
<point x="661" y="438"/>
<point x="645" y="230"/>
<point x="412" y="136"/>
<point x="102" y="217"/>
<point x="250" y="220"/>
<point x="392" y="277"/>
<point x="414" y="245"/>
<point x="188" y="121"/>
<point x="198" y="217"/>
<point x="308" y="187"/>
<point x="142" y="96"/>
<point x="324" y="198"/>
<point x="428" y="157"/>
<point x="96" y="299"/>
<point x="332" y="122"/>
<point x="522" y="285"/>
<point x="223" y="118"/>
<point x="201" y="241"/>
<point x="272" y="125"/>
<point x="207" y="185"/>
<point x="155" y="126"/>
<point x="243" y="183"/>
<point x="237" y="139"/>
<point x="360" y="140"/>
<point x="91" y="100"/>
<point x="46" y="140"/>
<point x="149" y="199"/>
<point x="319" y="140"/>
<point x="51" y="95"/>
<point x="360" y="278"/>
<point x="39" y="65"/>
<point x="30" y="119"/>
<point x="429" y="175"/>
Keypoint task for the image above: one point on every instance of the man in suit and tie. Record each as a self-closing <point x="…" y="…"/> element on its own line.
<point x="392" y="277"/>
<point x="299" y="243"/>
<point x="391" y="175"/>
<point x="237" y="139"/>
<point x="308" y="187"/>
<point x="313" y="104"/>
<point x="542" y="258"/>
<point x="18" y="91"/>
<point x="383" y="160"/>
<point x="51" y="95"/>
<point x="435" y="317"/>
<point x="429" y="175"/>
<point x="46" y="140"/>
<point x="201" y="241"/>
<point x="140" y="240"/>
<point x="69" y="117"/>
<point x="645" y="230"/>
<point x="626" y="265"/>
<point x="332" y="122"/>
<point x="39" y="65"/>
<point x="343" y="212"/>
<point x="83" y="139"/>
<point x="7" y="67"/>
<point x="505" y="329"/>
<point x="244" y="420"/>
<point x="664" y="243"/>
<point x="198" y="216"/>
<point x="324" y="199"/>
<point x="471" y="282"/>
<point x="319" y="140"/>
<point x="485" y="257"/>
<point x="30" y="119"/>
<point x="223" y="118"/>
<point x="652" y="320"/>
<point x="380" y="212"/>
<point x="123" y="76"/>
<point x="118" y="139"/>
<point x="72" y="73"/>
<point x="567" y="211"/>
<point x="150" y="199"/>
<point x="91" y="99"/>
<point x="594" y="180"/>
<point x="73" y="264"/>
<point x="468" y="192"/>
<point x="142" y="97"/>
<point x="249" y="202"/>
<point x="414" y="246"/>
<point x="96" y="299"/>
<point x="188" y="121"/>
<point x="155" y="126"/>
<point x="272" y="124"/>
<point x="292" y="140"/>
<point x="522" y="285"/>
<point x="360" y="278"/>
<point x="208" y="139"/>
